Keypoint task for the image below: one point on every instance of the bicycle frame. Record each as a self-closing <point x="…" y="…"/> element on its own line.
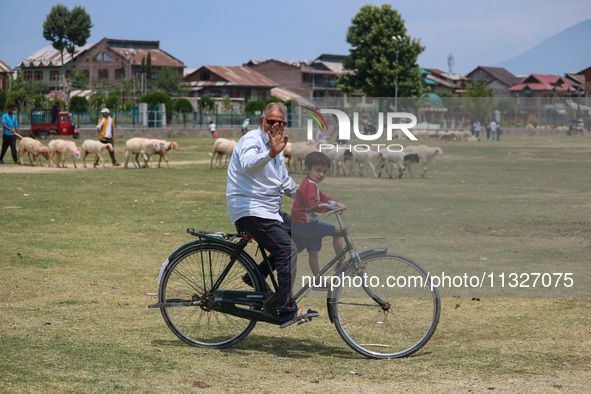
<point x="258" y="305"/>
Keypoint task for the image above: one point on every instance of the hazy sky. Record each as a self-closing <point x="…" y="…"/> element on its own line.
<point x="481" y="32"/>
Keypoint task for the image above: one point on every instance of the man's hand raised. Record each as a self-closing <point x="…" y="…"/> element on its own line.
<point x="277" y="139"/>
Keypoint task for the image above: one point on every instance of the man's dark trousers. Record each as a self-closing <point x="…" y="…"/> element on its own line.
<point x="275" y="238"/>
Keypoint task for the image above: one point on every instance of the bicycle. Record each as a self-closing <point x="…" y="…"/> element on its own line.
<point x="212" y="294"/>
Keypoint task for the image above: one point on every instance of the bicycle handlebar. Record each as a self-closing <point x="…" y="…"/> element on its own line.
<point x="331" y="205"/>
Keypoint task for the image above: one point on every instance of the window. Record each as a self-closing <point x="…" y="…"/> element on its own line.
<point x="107" y="58"/>
<point x="28" y="75"/>
<point x="103" y="73"/>
<point x="97" y="58"/>
<point x="38" y="75"/>
<point x="119" y="73"/>
<point x="54" y="75"/>
<point x="204" y="75"/>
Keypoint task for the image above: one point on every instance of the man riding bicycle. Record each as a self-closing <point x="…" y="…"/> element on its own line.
<point x="257" y="179"/>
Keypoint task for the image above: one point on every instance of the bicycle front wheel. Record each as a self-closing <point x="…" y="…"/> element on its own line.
<point x="189" y="277"/>
<point x="387" y="309"/>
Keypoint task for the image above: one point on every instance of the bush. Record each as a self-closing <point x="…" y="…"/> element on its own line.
<point x="253" y="106"/>
<point x="206" y="104"/>
<point x="96" y="103"/>
<point x="78" y="104"/>
<point x="159" y="98"/>
<point x="183" y="105"/>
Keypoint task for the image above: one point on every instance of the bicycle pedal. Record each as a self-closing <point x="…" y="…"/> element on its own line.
<point x="304" y="320"/>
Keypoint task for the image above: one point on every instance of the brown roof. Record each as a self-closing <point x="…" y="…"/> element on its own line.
<point x="48" y="56"/>
<point x="130" y="50"/>
<point x="159" y="57"/>
<point x="241" y="76"/>
<point x="501" y="74"/>
<point x="4" y="68"/>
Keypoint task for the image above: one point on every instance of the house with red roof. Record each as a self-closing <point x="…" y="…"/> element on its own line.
<point x="109" y="60"/>
<point x="540" y="85"/>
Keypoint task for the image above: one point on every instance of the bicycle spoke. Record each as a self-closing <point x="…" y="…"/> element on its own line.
<point x="201" y="325"/>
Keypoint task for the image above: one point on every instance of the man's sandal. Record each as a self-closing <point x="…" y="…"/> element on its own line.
<point x="300" y="316"/>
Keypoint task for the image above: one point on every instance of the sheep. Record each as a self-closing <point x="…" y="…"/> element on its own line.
<point x="287" y="154"/>
<point x="221" y="147"/>
<point x="473" y="138"/>
<point x="365" y="157"/>
<point x="299" y="151"/>
<point x="96" y="147"/>
<point x="337" y="157"/>
<point x="166" y="146"/>
<point x="62" y="149"/>
<point x="395" y="158"/>
<point x="426" y="154"/>
<point x="140" y="146"/>
<point x="34" y="147"/>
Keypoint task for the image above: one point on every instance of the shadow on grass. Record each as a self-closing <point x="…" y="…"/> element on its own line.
<point x="280" y="347"/>
<point x="298" y="348"/>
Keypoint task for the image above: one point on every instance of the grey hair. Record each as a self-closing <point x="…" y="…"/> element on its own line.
<point x="274" y="105"/>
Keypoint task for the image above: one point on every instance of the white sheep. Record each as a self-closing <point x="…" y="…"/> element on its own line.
<point x="287" y="154"/>
<point x="140" y="146"/>
<point x="365" y="157"/>
<point x="32" y="147"/>
<point x="299" y="151"/>
<point x="337" y="157"/>
<point x="62" y="149"/>
<point x="165" y="146"/>
<point x="385" y="158"/>
<point x="426" y="154"/>
<point x="96" y="147"/>
<point x="221" y="147"/>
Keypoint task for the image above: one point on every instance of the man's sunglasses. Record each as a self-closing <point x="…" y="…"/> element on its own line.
<point x="272" y="122"/>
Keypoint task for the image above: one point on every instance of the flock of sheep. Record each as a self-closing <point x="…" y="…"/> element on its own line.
<point x="344" y="161"/>
<point x="63" y="149"/>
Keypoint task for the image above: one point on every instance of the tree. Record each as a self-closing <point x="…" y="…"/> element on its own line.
<point x="169" y="80"/>
<point x="3" y="99"/>
<point x="67" y="30"/>
<point x="227" y="104"/>
<point x="39" y="101"/>
<point x="206" y="104"/>
<point x="477" y="101"/>
<point x="184" y="107"/>
<point x="78" y="104"/>
<point x="79" y="80"/>
<point x="149" y="66"/>
<point x="253" y="106"/>
<point x="382" y="53"/>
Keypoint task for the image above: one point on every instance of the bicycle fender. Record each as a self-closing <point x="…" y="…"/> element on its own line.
<point x="344" y="267"/>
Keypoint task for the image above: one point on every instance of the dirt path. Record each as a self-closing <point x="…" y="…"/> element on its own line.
<point x="27" y="168"/>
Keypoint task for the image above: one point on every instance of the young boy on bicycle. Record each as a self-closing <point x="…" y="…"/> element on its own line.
<point x="306" y="226"/>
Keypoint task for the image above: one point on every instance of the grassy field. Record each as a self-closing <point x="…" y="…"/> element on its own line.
<point x="81" y="251"/>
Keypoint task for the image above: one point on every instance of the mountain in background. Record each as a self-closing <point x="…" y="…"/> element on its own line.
<point x="567" y="51"/>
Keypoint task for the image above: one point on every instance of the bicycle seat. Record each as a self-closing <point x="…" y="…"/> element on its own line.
<point x="241" y="231"/>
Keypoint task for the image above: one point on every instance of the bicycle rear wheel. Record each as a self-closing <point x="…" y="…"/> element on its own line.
<point x="189" y="277"/>
<point x="405" y="320"/>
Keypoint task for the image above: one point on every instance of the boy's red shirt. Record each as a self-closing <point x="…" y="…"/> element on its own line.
<point x="308" y="195"/>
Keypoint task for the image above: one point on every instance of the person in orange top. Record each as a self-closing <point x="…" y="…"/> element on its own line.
<point x="106" y="134"/>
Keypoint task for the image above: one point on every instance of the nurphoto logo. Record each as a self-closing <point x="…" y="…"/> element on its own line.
<point x="393" y="123"/>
